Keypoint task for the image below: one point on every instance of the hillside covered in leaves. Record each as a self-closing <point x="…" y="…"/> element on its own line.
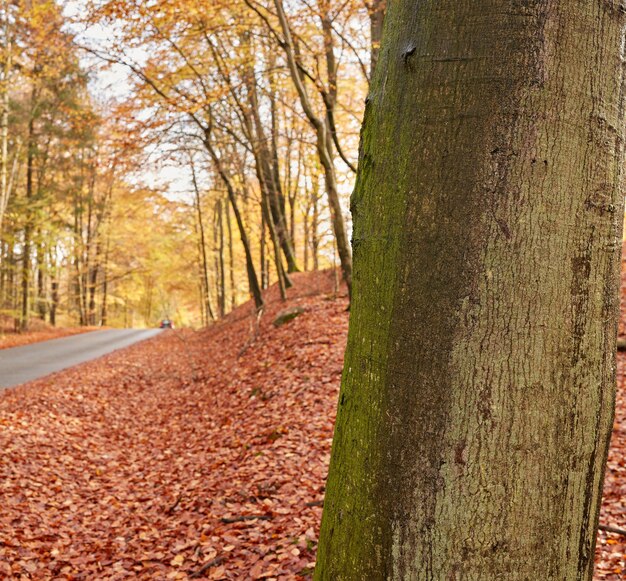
<point x="197" y="454"/>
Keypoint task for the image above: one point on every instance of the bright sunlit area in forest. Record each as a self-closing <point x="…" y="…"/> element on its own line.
<point x="143" y="143"/>
<point x="312" y="290"/>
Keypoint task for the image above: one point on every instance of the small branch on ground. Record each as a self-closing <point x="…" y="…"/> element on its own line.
<point x="255" y="327"/>
<point x="315" y="503"/>
<point x="246" y="517"/>
<point x="174" y="506"/>
<point x="212" y="563"/>
<point x="621" y="344"/>
<point x="610" y="529"/>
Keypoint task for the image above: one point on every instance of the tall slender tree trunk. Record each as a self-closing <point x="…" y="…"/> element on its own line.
<point x="202" y="243"/>
<point x="42" y="299"/>
<point x="221" y="278"/>
<point x="54" y="287"/>
<point x="376" y="10"/>
<point x="263" y="252"/>
<point x="231" y="261"/>
<point x="5" y="110"/>
<point x="94" y="271"/>
<point x="253" y="281"/>
<point x="323" y="144"/>
<point x="315" y="219"/>
<point x="281" y="275"/>
<point x="477" y="398"/>
<point x="28" y="227"/>
<point x="104" y="308"/>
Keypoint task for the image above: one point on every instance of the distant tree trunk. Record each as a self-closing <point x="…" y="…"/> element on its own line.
<point x="477" y="397"/>
<point x="28" y="227"/>
<point x="281" y="275"/>
<point x="323" y="142"/>
<point x="263" y="250"/>
<point x="306" y="235"/>
<point x="54" y="288"/>
<point x="376" y="10"/>
<point x="221" y="278"/>
<point x="202" y="243"/>
<point x="5" y="110"/>
<point x="42" y="300"/>
<point x="315" y="219"/>
<point x="94" y="271"/>
<point x="104" y="309"/>
<point x="269" y="172"/>
<point x="253" y="281"/>
<point x="231" y="261"/>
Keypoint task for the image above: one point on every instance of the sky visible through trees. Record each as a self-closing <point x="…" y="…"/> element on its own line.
<point x="171" y="159"/>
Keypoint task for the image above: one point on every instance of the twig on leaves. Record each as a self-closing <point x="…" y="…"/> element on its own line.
<point x="246" y="517"/>
<point x="212" y="563"/>
<point x="172" y="508"/>
<point x="255" y="333"/>
<point x="610" y="529"/>
<point x="315" y="503"/>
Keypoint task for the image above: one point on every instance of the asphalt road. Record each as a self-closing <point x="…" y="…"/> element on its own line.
<point x="22" y="364"/>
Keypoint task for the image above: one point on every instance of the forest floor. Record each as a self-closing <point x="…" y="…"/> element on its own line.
<point x="196" y="454"/>
<point x="38" y="332"/>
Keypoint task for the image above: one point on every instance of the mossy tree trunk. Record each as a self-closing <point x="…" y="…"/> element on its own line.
<point x="478" y="389"/>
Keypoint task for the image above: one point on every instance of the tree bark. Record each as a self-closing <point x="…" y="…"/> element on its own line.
<point x="220" y="274"/>
<point x="478" y="391"/>
<point x="5" y="111"/>
<point x="28" y="226"/>
<point x="231" y="261"/>
<point x="42" y="299"/>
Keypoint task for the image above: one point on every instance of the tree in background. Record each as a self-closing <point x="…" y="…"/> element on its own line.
<point x="478" y="389"/>
<point x="272" y="154"/>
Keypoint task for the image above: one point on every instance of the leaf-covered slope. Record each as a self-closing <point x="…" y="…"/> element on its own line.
<point x="196" y="453"/>
<point x="154" y="462"/>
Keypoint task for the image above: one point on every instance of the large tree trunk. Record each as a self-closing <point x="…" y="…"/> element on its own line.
<point x="477" y="397"/>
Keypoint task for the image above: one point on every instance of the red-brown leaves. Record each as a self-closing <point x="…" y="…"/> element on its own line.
<point x="180" y="459"/>
<point x="177" y="457"/>
<point x="8" y="338"/>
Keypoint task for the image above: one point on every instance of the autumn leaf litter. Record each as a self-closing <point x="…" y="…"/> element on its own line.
<point x="178" y="456"/>
<point x="196" y="455"/>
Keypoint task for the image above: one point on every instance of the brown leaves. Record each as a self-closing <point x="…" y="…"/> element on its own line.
<point x="41" y="332"/>
<point x="127" y="467"/>
<point x="138" y="466"/>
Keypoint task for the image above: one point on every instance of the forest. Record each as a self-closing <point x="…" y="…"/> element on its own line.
<point x="160" y="160"/>
<point x="326" y="290"/>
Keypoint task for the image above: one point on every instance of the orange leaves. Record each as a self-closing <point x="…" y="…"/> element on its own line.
<point x="9" y="339"/>
<point x="127" y="467"/>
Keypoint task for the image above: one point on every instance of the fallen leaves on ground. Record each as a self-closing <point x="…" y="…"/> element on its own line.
<point x="9" y="338"/>
<point x="197" y="455"/>
<point x="193" y="454"/>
